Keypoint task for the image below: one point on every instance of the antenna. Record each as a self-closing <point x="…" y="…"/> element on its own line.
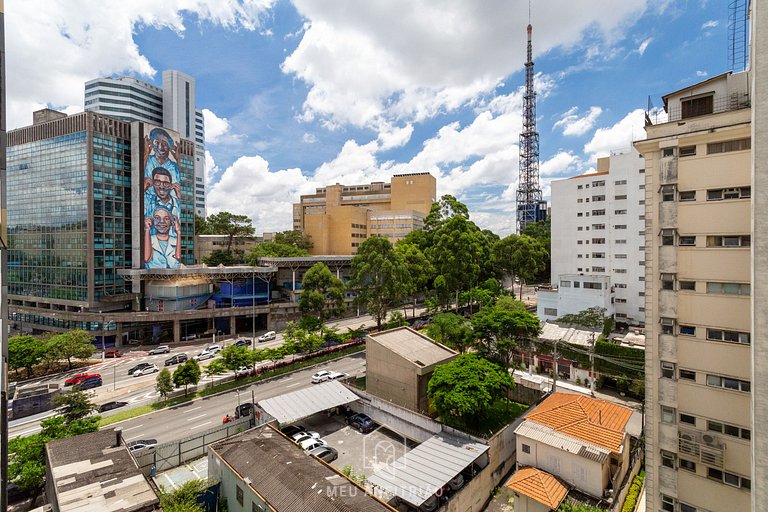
<point x="738" y="40"/>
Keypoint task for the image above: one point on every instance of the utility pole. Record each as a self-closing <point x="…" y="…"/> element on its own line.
<point x="3" y="281"/>
<point x="592" y="364"/>
<point x="554" y="375"/>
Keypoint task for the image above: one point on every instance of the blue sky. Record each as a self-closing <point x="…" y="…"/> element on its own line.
<point x="301" y="93"/>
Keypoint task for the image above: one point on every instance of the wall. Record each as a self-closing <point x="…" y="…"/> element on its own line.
<point x="219" y="471"/>
<point x="525" y="504"/>
<point x="398" y="419"/>
<point x="390" y="376"/>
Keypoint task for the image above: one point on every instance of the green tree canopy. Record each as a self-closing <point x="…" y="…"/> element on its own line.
<point x="70" y="345"/>
<point x="231" y="225"/>
<point x="465" y="388"/>
<point x="184" y="497"/>
<point x="299" y="340"/>
<point x="420" y="270"/>
<point x="500" y="330"/>
<point x="233" y="357"/>
<point x="591" y="318"/>
<point x="379" y="277"/>
<point x="295" y="239"/>
<point x="74" y="404"/>
<point x="201" y="226"/>
<point x="520" y="256"/>
<point x="25" y="352"/>
<point x="164" y="383"/>
<point x="273" y="250"/>
<point x="219" y="257"/>
<point x="444" y="209"/>
<point x="452" y="330"/>
<point x="186" y="374"/>
<point x="323" y="293"/>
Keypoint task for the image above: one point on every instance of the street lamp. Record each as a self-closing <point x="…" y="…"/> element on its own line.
<point x="103" y="346"/>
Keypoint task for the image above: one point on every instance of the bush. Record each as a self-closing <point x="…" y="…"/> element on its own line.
<point x="634" y="493"/>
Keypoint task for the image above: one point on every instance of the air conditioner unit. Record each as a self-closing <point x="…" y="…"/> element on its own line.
<point x="687" y="437"/>
<point x="709" y="439"/>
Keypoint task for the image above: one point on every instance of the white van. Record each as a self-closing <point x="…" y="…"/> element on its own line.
<point x="268" y="336"/>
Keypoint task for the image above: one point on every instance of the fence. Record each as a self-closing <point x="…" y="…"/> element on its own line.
<point x="175" y="453"/>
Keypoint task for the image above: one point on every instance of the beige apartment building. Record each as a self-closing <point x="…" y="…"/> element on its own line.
<point x="699" y="384"/>
<point x="340" y="217"/>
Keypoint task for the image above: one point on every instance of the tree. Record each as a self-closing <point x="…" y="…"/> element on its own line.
<point x="273" y="250"/>
<point x="323" y="294"/>
<point x="420" y="270"/>
<point x="184" y="497"/>
<point x="542" y="232"/>
<point x="219" y="257"/>
<point x="592" y="318"/>
<point x="499" y="331"/>
<point x="231" y="225"/>
<point x="215" y="367"/>
<point x="74" y="404"/>
<point x="294" y="238"/>
<point x="25" y="352"/>
<point x="297" y="340"/>
<point x="446" y="208"/>
<point x="186" y="374"/>
<point x="164" y="383"/>
<point x="233" y="357"/>
<point x="201" y="225"/>
<point x="520" y="256"/>
<point x="452" y="330"/>
<point x="466" y="388"/>
<point x="379" y="277"/>
<point x="73" y="344"/>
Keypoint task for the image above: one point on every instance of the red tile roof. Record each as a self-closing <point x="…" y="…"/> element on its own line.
<point x="593" y="420"/>
<point x="538" y="485"/>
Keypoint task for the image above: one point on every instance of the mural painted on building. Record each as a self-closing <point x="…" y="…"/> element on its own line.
<point x="161" y="245"/>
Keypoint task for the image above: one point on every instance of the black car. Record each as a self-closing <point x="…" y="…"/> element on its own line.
<point x="111" y="405"/>
<point x="361" y="422"/>
<point x="88" y="383"/>
<point x="139" y="366"/>
<point x="243" y="410"/>
<point x="292" y="429"/>
<point x="178" y="358"/>
<point x="243" y="343"/>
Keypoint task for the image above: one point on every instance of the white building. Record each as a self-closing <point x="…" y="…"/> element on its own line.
<point x="598" y="239"/>
<point x="171" y="106"/>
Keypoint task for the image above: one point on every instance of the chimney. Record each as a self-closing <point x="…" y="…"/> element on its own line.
<point x="118" y="437"/>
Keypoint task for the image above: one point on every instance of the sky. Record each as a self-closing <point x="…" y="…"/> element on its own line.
<point x="299" y="94"/>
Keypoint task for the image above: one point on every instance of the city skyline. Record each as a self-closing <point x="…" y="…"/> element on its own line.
<point x="297" y="96"/>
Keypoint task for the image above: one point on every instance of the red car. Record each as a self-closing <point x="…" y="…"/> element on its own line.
<point x="80" y="377"/>
<point x="113" y="352"/>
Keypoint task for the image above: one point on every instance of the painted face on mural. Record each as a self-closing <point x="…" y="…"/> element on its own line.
<point x="162" y="221"/>
<point x="162" y="146"/>
<point x="161" y="181"/>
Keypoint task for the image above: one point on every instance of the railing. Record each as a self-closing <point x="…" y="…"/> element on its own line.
<point x="706" y="448"/>
<point x="733" y="101"/>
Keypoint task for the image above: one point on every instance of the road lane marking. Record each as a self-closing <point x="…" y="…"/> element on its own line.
<point x="294" y="384"/>
<point x="31" y="431"/>
<point x="198" y="417"/>
<point x="194" y="409"/>
<point x="126" y="439"/>
<point x="200" y="425"/>
<point x="133" y="428"/>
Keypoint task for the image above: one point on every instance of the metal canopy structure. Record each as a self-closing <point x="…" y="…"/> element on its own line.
<point x="220" y="272"/>
<point x="295" y="406"/>
<point x="420" y="473"/>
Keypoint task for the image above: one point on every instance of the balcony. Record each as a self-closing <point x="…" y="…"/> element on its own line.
<point x="704" y="448"/>
<point x="688" y="110"/>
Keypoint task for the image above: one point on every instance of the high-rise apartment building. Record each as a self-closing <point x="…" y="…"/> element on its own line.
<point x="171" y="106"/>
<point x="598" y="242"/>
<point x="339" y="218"/>
<point x="699" y="381"/>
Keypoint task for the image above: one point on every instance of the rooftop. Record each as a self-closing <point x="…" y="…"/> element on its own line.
<point x="593" y="420"/>
<point x="91" y="474"/>
<point x="538" y="485"/>
<point x="590" y="175"/>
<point x="288" y="479"/>
<point x="413" y="346"/>
<point x="303" y="403"/>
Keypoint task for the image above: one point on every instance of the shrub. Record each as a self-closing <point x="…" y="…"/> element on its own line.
<point x="634" y="493"/>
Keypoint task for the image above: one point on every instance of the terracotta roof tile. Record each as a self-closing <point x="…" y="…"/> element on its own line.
<point x="593" y="420"/>
<point x="538" y="485"/>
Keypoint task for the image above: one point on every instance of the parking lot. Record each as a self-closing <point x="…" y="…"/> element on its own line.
<point x="365" y="453"/>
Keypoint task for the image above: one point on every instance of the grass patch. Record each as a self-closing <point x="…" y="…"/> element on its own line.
<point x="226" y="386"/>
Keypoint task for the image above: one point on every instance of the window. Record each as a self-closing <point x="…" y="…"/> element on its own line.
<point x="620" y="285"/>
<point x="239" y="494"/>
<point x="687" y="285"/>
<point x="620" y="212"/>
<point x="598" y="198"/>
<point x="600" y="183"/>
<point x="667" y="459"/>
<point x="668" y="193"/>
<point x="526" y="448"/>
<point x="620" y="182"/>
<point x="729" y="478"/>
<point x="720" y="194"/>
<point x="579" y="228"/>
<point x="580" y="187"/>
<point x="598" y="226"/>
<point x="687" y="150"/>
<point x="593" y="286"/>
<point x="687" y="418"/>
<point x="667" y="152"/>
<point x="689" y="195"/>
<point x="667" y="503"/>
<point x="667" y="281"/>
<point x="728" y="336"/>
<point x="621" y="241"/>
<point x="641" y="171"/>
<point x="579" y="214"/>
<point x="667" y="370"/>
<point x="598" y="269"/>
<point x="667" y="326"/>
<point x="565" y="284"/>
<point x="579" y="200"/>
<point x="667" y="414"/>
<point x="620" y="226"/>
<point x="687" y="240"/>
<point x="728" y="288"/>
<point x="620" y="301"/>
<point x="621" y="256"/>
<point x="577" y="284"/>
<point x="598" y="212"/>
<point x="729" y="241"/>
<point x="688" y="330"/>
<point x="729" y="430"/>
<point x="579" y="242"/>
<point x="688" y="466"/>
<point x="728" y="146"/>
<point x="667" y="237"/>
<point x="598" y="255"/>
<point x="687" y="375"/>
<point x="717" y="381"/>
<point x="641" y="187"/>
<point x="550" y="311"/>
<point x="620" y="270"/>
<point x="598" y="240"/>
<point x="693" y="107"/>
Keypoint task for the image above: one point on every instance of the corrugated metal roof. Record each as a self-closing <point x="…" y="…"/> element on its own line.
<point x="414" y="346"/>
<point x="551" y="437"/>
<point x="303" y="403"/>
<point x="538" y="485"/>
<point x="423" y="471"/>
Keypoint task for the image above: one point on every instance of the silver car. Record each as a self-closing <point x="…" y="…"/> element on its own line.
<point x="162" y="349"/>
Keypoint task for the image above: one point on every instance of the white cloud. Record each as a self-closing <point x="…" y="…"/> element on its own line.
<point x="710" y="24"/>
<point x="309" y="138"/>
<point x="53" y="48"/>
<point x="701" y="73"/>
<point x="574" y="125"/>
<point x="563" y="163"/>
<point x="215" y="127"/>
<point x="619" y="136"/>
<point x="249" y="188"/>
<point x="644" y="45"/>
<point x="394" y="137"/>
<point x="442" y="57"/>
<point x="211" y="169"/>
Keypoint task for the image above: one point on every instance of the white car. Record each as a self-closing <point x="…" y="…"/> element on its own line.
<point x="205" y="354"/>
<point x="213" y="348"/>
<point x="152" y="368"/>
<point x="320" y="376"/>
<point x="162" y="349"/>
<point x="268" y="336"/>
<point x="337" y="375"/>
<point x="303" y="436"/>
<point x="244" y="369"/>
<point x="311" y="444"/>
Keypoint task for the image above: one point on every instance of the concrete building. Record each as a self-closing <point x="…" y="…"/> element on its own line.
<point x="399" y="363"/>
<point x="172" y="106"/>
<point x="205" y="245"/>
<point x="598" y="223"/>
<point x="581" y="440"/>
<point x="339" y="217"/>
<point x="536" y="490"/>
<point x="699" y="369"/>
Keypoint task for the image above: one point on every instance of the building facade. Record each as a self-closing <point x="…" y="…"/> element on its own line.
<point x="598" y="223"/>
<point x="699" y="383"/>
<point x="172" y="106"/>
<point x="339" y="217"/>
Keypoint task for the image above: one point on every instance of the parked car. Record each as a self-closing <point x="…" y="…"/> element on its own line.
<point x="162" y="349"/>
<point x="141" y="444"/>
<point x="176" y="359"/>
<point x="303" y="436"/>
<point x="361" y="422"/>
<point x="75" y="379"/>
<point x="267" y="336"/>
<point x="243" y="409"/>
<point x="243" y="343"/>
<point x="320" y="376"/>
<point x="190" y="337"/>
<point x="205" y="354"/>
<point x="213" y="348"/>
<point x="138" y="367"/>
<point x="92" y="381"/>
<point x="111" y="405"/>
<point x="337" y="375"/>
<point x="243" y="369"/>
<point x="311" y="443"/>
<point x="325" y="453"/>
<point x="113" y="352"/>
<point x="152" y="368"/>
<point x="292" y="429"/>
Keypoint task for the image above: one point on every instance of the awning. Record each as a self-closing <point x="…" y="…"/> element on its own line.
<point x="423" y="471"/>
<point x="292" y="407"/>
